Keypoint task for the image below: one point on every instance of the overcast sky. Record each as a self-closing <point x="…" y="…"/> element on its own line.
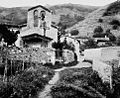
<point x="19" y="3"/>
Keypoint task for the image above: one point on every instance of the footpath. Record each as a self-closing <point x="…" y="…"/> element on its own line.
<point x="46" y="91"/>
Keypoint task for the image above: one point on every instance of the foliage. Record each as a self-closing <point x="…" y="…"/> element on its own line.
<point x="9" y="37"/>
<point x="74" y="32"/>
<point x="57" y="45"/>
<point x="98" y="30"/>
<point x="69" y="46"/>
<point x="118" y="41"/>
<point x="100" y="20"/>
<point x="60" y="65"/>
<point x="90" y="44"/>
<point x="82" y="81"/>
<point x="115" y="22"/>
<point x="115" y="27"/>
<point x="26" y="83"/>
<point x="112" y="38"/>
<point x="112" y="9"/>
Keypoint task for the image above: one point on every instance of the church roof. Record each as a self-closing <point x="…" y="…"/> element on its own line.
<point x="35" y="35"/>
<point x="39" y="6"/>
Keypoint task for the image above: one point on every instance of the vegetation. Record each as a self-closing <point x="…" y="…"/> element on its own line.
<point x="100" y="20"/>
<point x="113" y="9"/>
<point x="112" y="38"/>
<point x="60" y="65"/>
<point x="115" y="22"/>
<point x="115" y="27"/>
<point x="90" y="44"/>
<point x="74" y="32"/>
<point x="79" y="83"/>
<point x="98" y="30"/>
<point x="118" y="41"/>
<point x="9" y="36"/>
<point x="26" y="83"/>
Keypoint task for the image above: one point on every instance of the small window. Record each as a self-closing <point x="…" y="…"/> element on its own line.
<point x="36" y="18"/>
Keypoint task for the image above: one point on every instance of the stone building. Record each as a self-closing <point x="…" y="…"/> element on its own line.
<point x="38" y="32"/>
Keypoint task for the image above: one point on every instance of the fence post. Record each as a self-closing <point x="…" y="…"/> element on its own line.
<point x="5" y="70"/>
<point x="11" y="67"/>
<point x="23" y="65"/>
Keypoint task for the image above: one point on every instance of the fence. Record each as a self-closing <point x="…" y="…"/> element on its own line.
<point x="14" y="60"/>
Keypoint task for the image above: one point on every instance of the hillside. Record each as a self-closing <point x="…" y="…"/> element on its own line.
<point x="108" y="17"/>
<point x="66" y="13"/>
<point x="70" y="14"/>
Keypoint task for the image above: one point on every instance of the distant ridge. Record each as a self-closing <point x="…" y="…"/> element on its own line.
<point x="18" y="15"/>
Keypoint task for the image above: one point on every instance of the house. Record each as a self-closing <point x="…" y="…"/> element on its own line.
<point x="38" y="32"/>
<point x="101" y="39"/>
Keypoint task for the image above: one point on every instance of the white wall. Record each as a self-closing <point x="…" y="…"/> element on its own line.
<point x="104" y="54"/>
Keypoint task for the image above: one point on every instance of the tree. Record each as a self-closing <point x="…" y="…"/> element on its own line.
<point x="9" y="36"/>
<point x="110" y="35"/>
<point x="98" y="30"/>
<point x="118" y="41"/>
<point x="90" y="43"/>
<point x="74" y="32"/>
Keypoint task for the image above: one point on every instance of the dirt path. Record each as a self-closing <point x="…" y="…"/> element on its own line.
<point x="47" y="89"/>
<point x="46" y="92"/>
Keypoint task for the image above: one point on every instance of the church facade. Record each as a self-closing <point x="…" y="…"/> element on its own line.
<point x="38" y="31"/>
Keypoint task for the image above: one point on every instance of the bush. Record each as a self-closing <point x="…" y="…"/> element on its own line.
<point x="80" y="83"/>
<point x="90" y="44"/>
<point x="118" y="41"/>
<point x="112" y="9"/>
<point x="115" y="22"/>
<point x="26" y="83"/>
<point x="100" y="20"/>
<point x="98" y="30"/>
<point x="60" y="65"/>
<point x="115" y="27"/>
<point x="74" y="32"/>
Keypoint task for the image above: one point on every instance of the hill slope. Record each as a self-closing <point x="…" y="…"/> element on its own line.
<point x="68" y="13"/>
<point x="105" y="17"/>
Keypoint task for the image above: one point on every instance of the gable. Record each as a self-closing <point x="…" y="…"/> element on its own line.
<point x="39" y="6"/>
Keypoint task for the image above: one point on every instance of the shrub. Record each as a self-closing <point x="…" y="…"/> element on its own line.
<point x="74" y="32"/>
<point x="98" y="30"/>
<point x="57" y="45"/>
<point x="60" y="65"/>
<point x="90" y="44"/>
<point x="112" y="9"/>
<point x="115" y="22"/>
<point x="82" y="81"/>
<point x="100" y="20"/>
<point x="115" y="27"/>
<point x="118" y="41"/>
<point x="26" y="83"/>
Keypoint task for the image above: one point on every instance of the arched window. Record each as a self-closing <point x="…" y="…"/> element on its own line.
<point x="35" y="18"/>
<point x="42" y="15"/>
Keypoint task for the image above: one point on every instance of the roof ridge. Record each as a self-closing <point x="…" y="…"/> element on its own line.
<point x="39" y="6"/>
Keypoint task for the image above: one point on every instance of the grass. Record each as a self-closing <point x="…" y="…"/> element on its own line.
<point x="79" y="83"/>
<point x="28" y="82"/>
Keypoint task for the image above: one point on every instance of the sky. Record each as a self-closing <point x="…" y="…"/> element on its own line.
<point x="20" y="3"/>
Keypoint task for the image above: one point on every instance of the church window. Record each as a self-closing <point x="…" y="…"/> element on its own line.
<point x="42" y="15"/>
<point x="36" y="18"/>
